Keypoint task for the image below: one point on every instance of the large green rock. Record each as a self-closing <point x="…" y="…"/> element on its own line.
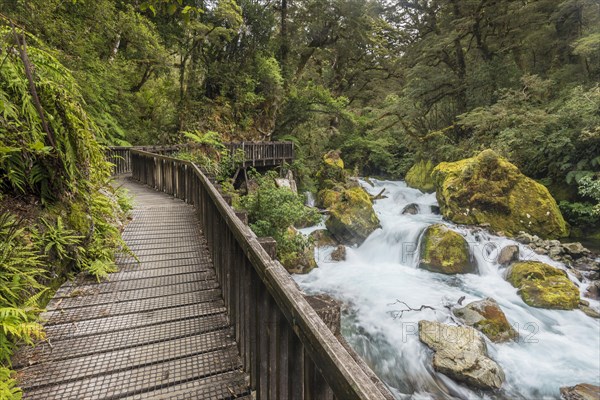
<point x="419" y="176"/>
<point x="352" y="218"/>
<point x="487" y="189"/>
<point x="543" y="286"/>
<point x="331" y="173"/>
<point x="445" y="251"/>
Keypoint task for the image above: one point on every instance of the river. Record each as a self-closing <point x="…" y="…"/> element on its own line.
<point x="555" y="348"/>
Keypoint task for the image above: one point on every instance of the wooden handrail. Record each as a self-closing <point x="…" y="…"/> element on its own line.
<point x="286" y="348"/>
<point x="255" y="153"/>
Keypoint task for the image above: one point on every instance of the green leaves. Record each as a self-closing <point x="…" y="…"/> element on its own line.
<point x="273" y="210"/>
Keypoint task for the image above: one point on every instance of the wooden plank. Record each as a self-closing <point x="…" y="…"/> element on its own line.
<point x="62" y="316"/>
<point x="120" y="322"/>
<point x="140" y="380"/>
<point x="83" y="346"/>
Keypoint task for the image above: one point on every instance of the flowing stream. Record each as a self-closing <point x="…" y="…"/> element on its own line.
<point x="555" y="348"/>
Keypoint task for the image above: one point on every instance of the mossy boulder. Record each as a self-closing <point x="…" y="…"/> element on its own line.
<point x="323" y="238"/>
<point x="419" y="176"/>
<point x="326" y="198"/>
<point x="445" y="251"/>
<point x="352" y="218"/>
<point x="331" y="171"/>
<point x="543" y="286"/>
<point x="487" y="317"/>
<point x="487" y="189"/>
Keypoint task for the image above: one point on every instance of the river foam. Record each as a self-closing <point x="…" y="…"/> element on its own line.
<point x="555" y="348"/>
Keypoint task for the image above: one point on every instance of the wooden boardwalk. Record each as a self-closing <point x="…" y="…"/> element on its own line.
<point x="155" y="330"/>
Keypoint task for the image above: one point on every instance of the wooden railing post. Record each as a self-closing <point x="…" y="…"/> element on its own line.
<point x="270" y="246"/>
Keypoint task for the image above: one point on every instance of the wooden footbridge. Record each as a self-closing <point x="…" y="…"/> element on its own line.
<point x="204" y="313"/>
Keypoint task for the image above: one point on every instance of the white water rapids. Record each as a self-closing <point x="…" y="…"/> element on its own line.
<point x="555" y="348"/>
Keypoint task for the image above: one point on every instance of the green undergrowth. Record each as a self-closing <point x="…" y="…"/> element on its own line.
<point x="272" y="210"/>
<point x="59" y="215"/>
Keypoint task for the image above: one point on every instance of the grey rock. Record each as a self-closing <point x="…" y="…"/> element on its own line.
<point x="575" y="249"/>
<point x="593" y="291"/>
<point x="461" y="354"/>
<point x="524" y="237"/>
<point x="487" y="317"/>
<point x="508" y="254"/>
<point x="589" y="311"/>
<point x="411" y="209"/>
<point x="339" y="254"/>
<point x="583" y="391"/>
<point x="555" y="251"/>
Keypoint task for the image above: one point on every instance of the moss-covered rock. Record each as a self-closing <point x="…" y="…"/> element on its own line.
<point x="326" y="198"/>
<point x="487" y="317"/>
<point x="331" y="171"/>
<point x="322" y="238"/>
<point x="541" y="285"/>
<point x="419" y="176"/>
<point x="352" y="218"/>
<point x="487" y="189"/>
<point x="445" y="251"/>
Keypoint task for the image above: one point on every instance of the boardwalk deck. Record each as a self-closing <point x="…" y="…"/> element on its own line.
<point x="155" y="330"/>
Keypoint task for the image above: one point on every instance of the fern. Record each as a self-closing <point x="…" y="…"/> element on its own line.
<point x="8" y="388"/>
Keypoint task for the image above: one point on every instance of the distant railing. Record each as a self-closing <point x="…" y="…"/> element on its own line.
<point x="264" y="153"/>
<point x="285" y="346"/>
<point x="255" y="154"/>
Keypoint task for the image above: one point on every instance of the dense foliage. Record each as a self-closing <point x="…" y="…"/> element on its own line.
<point x="58" y="215"/>
<point x="272" y="210"/>
<point x="388" y="83"/>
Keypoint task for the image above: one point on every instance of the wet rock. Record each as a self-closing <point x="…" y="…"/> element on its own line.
<point x="488" y="188"/>
<point x="322" y="238"/>
<point x="583" y="391"/>
<point x="508" y="254"/>
<point x="587" y="310"/>
<point x="487" y="317"/>
<point x="593" y="290"/>
<point x="524" y="237"/>
<point x="339" y="254"/>
<point x="445" y="251"/>
<point x="541" y="285"/>
<point x="555" y="251"/>
<point x="575" y="249"/>
<point x="419" y="176"/>
<point x="352" y="219"/>
<point x="411" y="209"/>
<point x="435" y="210"/>
<point x="540" y="250"/>
<point x="461" y="354"/>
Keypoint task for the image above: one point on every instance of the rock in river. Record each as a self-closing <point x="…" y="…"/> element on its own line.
<point x="352" y="219"/>
<point x="461" y="354"/>
<point x="489" y="189"/>
<point x="445" y="251"/>
<point x="487" y="317"/>
<point x="541" y="285"/>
